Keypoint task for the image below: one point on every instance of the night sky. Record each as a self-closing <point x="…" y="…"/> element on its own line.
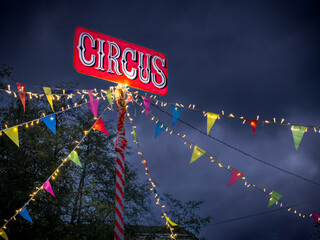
<point x="247" y="58"/>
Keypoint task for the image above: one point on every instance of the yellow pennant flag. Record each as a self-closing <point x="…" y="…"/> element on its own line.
<point x="197" y="152"/>
<point x="211" y="118"/>
<point x="48" y="93"/>
<point x="13" y="134"/>
<point x="3" y="234"/>
<point x="171" y="223"/>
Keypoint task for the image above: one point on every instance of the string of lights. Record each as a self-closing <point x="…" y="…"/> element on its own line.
<point x="238" y="150"/>
<point x="192" y="107"/>
<point x="153" y="186"/>
<point x="226" y="166"/>
<point x="52" y="176"/>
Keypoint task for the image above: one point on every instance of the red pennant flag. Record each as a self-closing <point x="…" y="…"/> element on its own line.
<point x="235" y="176"/>
<point x="99" y="125"/>
<point x="316" y="216"/>
<point x="22" y="94"/>
<point x="253" y="124"/>
<point x="129" y="98"/>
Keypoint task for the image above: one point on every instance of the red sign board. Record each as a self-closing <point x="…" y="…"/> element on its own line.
<point x="105" y="57"/>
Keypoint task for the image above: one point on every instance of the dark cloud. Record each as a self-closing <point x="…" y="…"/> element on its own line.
<point x="244" y="57"/>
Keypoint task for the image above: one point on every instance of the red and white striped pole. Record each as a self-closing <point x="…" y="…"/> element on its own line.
<point x="120" y="147"/>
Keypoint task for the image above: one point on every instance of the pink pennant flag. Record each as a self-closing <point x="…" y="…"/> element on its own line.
<point x="48" y="188"/>
<point x="99" y="125"/>
<point x="147" y="168"/>
<point x="235" y="176"/>
<point x="94" y="107"/>
<point x="146" y="102"/>
<point x="90" y="95"/>
<point x="316" y="216"/>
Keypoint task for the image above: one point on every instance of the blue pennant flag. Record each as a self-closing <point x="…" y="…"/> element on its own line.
<point x="159" y="129"/>
<point x="50" y="121"/>
<point x="70" y="99"/>
<point x="24" y="213"/>
<point x="175" y="114"/>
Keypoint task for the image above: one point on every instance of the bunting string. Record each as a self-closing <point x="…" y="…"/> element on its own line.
<point x="169" y="223"/>
<point x="273" y="196"/>
<point x="46" y="185"/>
<point x="238" y="150"/>
<point x="192" y="107"/>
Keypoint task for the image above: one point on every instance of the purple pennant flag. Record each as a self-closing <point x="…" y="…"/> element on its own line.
<point x="146" y="102"/>
<point x="48" y="188"/>
<point x="90" y="95"/>
<point x="94" y="106"/>
<point x="316" y="216"/>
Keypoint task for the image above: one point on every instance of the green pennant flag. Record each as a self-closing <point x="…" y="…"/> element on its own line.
<point x="197" y="152"/>
<point x="3" y="234"/>
<point x="211" y="118"/>
<point x="13" y="134"/>
<point x="274" y="197"/>
<point x="109" y="97"/>
<point x="134" y="134"/>
<point x="74" y="157"/>
<point x="297" y="133"/>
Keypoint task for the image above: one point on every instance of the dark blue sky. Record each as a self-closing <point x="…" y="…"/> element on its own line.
<point x="248" y="58"/>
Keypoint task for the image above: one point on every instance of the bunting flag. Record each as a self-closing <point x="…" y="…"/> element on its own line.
<point x="146" y="102"/>
<point x="253" y="124"/>
<point x="197" y="152"/>
<point x="48" y="188"/>
<point x="171" y="223"/>
<point x="22" y="94"/>
<point x="316" y="216"/>
<point x="134" y="134"/>
<point x="70" y="98"/>
<point x="99" y="125"/>
<point x="13" y="134"/>
<point x="74" y="157"/>
<point x="211" y="118"/>
<point x="24" y="213"/>
<point x="160" y="127"/>
<point x="175" y="114"/>
<point x="109" y="96"/>
<point x="274" y="197"/>
<point x="50" y="121"/>
<point x="48" y="93"/>
<point x="297" y="133"/>
<point x="3" y="234"/>
<point x="147" y="167"/>
<point x="94" y="105"/>
<point x="129" y="98"/>
<point x="235" y="176"/>
<point x="90" y="95"/>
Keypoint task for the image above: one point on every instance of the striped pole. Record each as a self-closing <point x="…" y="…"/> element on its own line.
<point x="120" y="147"/>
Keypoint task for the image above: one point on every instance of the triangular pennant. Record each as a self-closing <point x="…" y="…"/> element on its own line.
<point x="99" y="125"/>
<point x="74" y="157"/>
<point x="171" y="223"/>
<point x="197" y="152"/>
<point x="50" y="121"/>
<point x="146" y="102"/>
<point x="70" y="99"/>
<point x="22" y="94"/>
<point x="147" y="167"/>
<point x="24" y="213"/>
<point x="48" y="93"/>
<point x="297" y="133"/>
<point x="3" y="234"/>
<point x="175" y="114"/>
<point x="274" y="197"/>
<point x="316" y="216"/>
<point x="211" y="118"/>
<point x="48" y="188"/>
<point x="129" y="98"/>
<point x="94" y="105"/>
<point x="109" y="96"/>
<point x="134" y="134"/>
<point x="235" y="176"/>
<point x="13" y="134"/>
<point x="253" y="124"/>
<point x="90" y="95"/>
<point x="159" y="129"/>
